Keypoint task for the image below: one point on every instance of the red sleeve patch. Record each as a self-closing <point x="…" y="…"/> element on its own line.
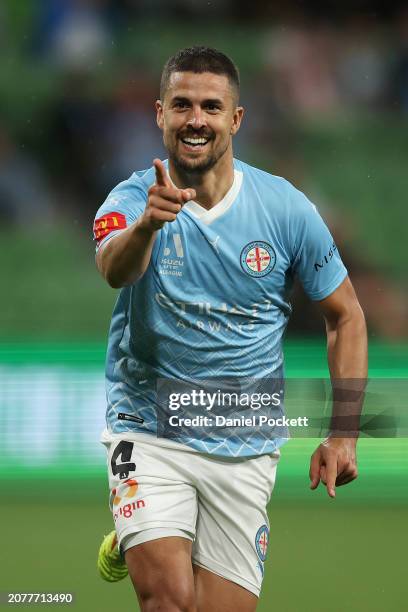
<point x="107" y="224"/>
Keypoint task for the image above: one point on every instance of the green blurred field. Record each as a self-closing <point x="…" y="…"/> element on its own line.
<point x="343" y="554"/>
<point x="347" y="554"/>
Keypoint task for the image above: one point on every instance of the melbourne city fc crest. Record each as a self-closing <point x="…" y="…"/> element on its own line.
<point x="261" y="542"/>
<point x="258" y="258"/>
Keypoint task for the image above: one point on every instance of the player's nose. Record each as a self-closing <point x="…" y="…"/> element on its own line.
<point x="196" y="118"/>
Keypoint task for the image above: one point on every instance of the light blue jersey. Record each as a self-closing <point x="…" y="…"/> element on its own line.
<point x="214" y="301"/>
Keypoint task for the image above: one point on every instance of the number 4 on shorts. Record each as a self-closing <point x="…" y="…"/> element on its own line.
<point x="124" y="451"/>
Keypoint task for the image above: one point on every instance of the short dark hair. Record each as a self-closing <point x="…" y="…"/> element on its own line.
<point x="200" y="59"/>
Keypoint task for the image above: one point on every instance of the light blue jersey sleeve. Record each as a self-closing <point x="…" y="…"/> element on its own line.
<point x="122" y="207"/>
<point x="317" y="261"/>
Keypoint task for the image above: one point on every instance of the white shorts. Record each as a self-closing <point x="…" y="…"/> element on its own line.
<point x="219" y="503"/>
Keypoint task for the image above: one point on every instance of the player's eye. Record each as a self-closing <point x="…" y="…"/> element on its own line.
<point x="212" y="107"/>
<point x="180" y="105"/>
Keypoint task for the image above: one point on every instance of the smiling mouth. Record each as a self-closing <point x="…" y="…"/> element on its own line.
<point x="195" y="143"/>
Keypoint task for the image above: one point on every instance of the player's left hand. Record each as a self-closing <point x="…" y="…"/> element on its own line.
<point x="334" y="463"/>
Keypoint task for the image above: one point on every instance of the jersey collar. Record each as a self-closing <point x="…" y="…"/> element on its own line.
<point x="208" y="216"/>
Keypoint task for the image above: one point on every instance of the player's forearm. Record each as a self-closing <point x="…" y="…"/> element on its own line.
<point x="347" y="358"/>
<point x="347" y="345"/>
<point x="125" y="257"/>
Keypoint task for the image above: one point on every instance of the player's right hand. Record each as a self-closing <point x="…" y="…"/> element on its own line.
<point x="164" y="200"/>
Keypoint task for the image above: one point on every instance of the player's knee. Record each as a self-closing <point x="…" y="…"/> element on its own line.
<point x="175" y="596"/>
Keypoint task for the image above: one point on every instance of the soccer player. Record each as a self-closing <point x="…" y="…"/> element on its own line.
<point x="204" y="248"/>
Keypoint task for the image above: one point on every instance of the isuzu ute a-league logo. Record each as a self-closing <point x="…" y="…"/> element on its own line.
<point x="172" y="262"/>
<point x="258" y="258"/>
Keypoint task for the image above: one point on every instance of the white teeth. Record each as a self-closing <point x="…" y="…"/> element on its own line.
<point x="195" y="141"/>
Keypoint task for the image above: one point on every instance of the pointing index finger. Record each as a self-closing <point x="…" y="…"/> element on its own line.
<point x="162" y="178"/>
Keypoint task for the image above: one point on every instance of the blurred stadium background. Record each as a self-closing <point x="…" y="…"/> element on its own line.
<point x="325" y="87"/>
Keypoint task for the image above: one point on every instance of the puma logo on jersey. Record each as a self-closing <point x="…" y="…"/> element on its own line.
<point x="214" y="244"/>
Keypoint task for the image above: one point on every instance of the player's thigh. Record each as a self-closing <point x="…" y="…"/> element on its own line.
<point x="233" y="527"/>
<point x="162" y="574"/>
<point x="221" y="595"/>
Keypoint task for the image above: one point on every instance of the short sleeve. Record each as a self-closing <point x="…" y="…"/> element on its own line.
<point x="317" y="261"/>
<point x="121" y="208"/>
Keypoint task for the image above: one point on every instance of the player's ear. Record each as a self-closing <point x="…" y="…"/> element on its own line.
<point x="236" y="119"/>
<point x="159" y="116"/>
